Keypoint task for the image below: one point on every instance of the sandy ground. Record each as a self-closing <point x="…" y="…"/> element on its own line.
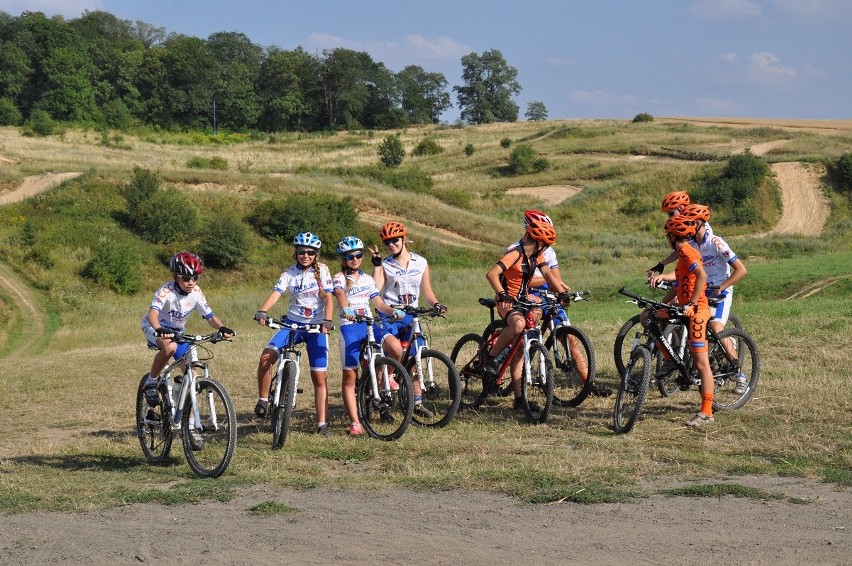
<point x="34" y="185"/>
<point x="403" y="527"/>
<point x="805" y="206"/>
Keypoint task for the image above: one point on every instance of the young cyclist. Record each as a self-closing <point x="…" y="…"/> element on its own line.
<point x="538" y="284"/>
<point x="402" y="277"/>
<point x="173" y="302"/>
<point x="311" y="302"/>
<point x="510" y="278"/>
<point x="673" y="203"/>
<point x="355" y="290"/>
<point x="691" y="283"/>
<point x="723" y="268"/>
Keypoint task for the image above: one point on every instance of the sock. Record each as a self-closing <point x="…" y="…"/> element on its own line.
<point x="150" y="380"/>
<point x="320" y="425"/>
<point x="263" y="399"/>
<point x="418" y="399"/>
<point x="707" y="404"/>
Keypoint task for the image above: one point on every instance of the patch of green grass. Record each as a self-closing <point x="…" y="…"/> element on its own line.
<point x="269" y="508"/>
<point x="839" y="476"/>
<point x="721" y="490"/>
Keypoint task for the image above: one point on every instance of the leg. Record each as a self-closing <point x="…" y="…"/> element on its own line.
<point x="348" y="393"/>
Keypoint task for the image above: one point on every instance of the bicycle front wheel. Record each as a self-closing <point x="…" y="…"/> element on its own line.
<point x="537" y="394"/>
<point x="466" y="357"/>
<point x="573" y="365"/>
<point x="735" y="364"/>
<point x="388" y="416"/>
<point x="632" y="390"/>
<point x="283" y="412"/>
<point x="216" y="423"/>
<point x="153" y="427"/>
<point x="440" y="391"/>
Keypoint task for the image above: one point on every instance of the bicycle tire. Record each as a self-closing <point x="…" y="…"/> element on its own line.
<point x="283" y="412"/>
<point x="724" y="369"/>
<point x="540" y="390"/>
<point x="506" y="387"/>
<point x="441" y="392"/>
<point x="632" y="390"/>
<point x="621" y="352"/>
<point x="218" y="429"/>
<point x="153" y="427"/>
<point x="386" y="418"/>
<point x="466" y="357"/>
<point x="666" y="372"/>
<point x="569" y="387"/>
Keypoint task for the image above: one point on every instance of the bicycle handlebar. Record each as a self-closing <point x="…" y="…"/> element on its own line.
<point x="302" y="326"/>
<point x="675" y="311"/>
<point x="183" y="338"/>
<point x="418" y="311"/>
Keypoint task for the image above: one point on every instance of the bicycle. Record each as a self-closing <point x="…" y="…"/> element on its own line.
<point x="284" y="387"/>
<point x="537" y="382"/>
<point x="573" y="376"/>
<point x="384" y="412"/>
<point x="434" y="370"/>
<point x="634" y="382"/>
<point x="623" y="347"/>
<point x="199" y="405"/>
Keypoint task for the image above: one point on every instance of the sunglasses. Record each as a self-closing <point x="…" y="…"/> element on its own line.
<point x="306" y="252"/>
<point x="390" y="241"/>
<point x="356" y="255"/>
<point x="188" y="278"/>
<point x="673" y="213"/>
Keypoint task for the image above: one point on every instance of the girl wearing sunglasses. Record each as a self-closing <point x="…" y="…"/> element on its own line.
<point x="310" y="286"/>
<point x="355" y="291"/>
<point x="173" y="302"/>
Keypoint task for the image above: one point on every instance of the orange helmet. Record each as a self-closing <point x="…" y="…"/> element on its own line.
<point x="675" y="200"/>
<point x="540" y="229"/>
<point x="697" y="211"/>
<point x="393" y="230"/>
<point x="536" y="216"/>
<point x="681" y="226"/>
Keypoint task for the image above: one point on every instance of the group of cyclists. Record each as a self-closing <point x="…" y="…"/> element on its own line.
<point x="401" y="278"/>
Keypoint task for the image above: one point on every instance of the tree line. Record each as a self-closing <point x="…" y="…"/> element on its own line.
<point x="98" y="69"/>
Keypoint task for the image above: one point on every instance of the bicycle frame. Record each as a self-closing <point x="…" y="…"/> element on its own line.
<point x="419" y="341"/>
<point x="289" y="354"/>
<point x="187" y="386"/>
<point x="532" y="333"/>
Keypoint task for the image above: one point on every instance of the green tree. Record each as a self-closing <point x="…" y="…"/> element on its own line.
<point x="224" y="241"/>
<point x="289" y="91"/>
<point x="185" y="97"/>
<point x="281" y="220"/>
<point x="15" y="71"/>
<point x="423" y="95"/>
<point x="536" y="111"/>
<point x="391" y="152"/>
<point x="489" y="83"/>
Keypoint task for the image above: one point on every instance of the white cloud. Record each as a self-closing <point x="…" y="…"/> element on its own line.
<point x="718" y="106"/>
<point x="726" y="9"/>
<point x="66" y="8"/>
<point x="411" y="50"/>
<point x="764" y="68"/>
<point x="730" y="57"/>
<point x="441" y="47"/>
<point x="560" y="61"/>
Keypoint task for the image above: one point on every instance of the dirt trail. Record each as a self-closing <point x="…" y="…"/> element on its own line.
<point x="33" y="320"/>
<point x="805" y="207"/>
<point x="34" y="185"/>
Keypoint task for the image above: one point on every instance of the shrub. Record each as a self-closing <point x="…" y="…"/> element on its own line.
<point x="9" y="113"/>
<point x="113" y="266"/>
<point x="643" y="117"/>
<point x="224" y="241"/>
<point x="521" y="159"/>
<point x="468" y="149"/>
<point x="391" y="152"/>
<point x="841" y="173"/>
<point x="540" y="164"/>
<point x="144" y="184"/>
<point x="427" y="146"/>
<point x="204" y="163"/>
<point x="736" y="187"/>
<point x="40" y="123"/>
<point x="165" y="217"/>
<point x="117" y="115"/>
<point x="411" y="179"/>
<point x="505" y="143"/>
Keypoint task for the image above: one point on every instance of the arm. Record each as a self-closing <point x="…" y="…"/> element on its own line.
<point x="154" y="318"/>
<point x="267" y="304"/>
<point x="662" y="265"/>
<point x="493" y="277"/>
<point x="378" y="270"/>
<point x="383" y="307"/>
<point x="216" y="324"/>
<point x="655" y="280"/>
<point x="739" y="271"/>
<point x="553" y="282"/>
<point x="329" y="310"/>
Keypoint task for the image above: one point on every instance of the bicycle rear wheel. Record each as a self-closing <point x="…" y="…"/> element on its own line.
<point x="153" y="427"/>
<point x="632" y="390"/>
<point x="386" y="418"/>
<point x="283" y="412"/>
<point x="537" y="396"/>
<point x="572" y="374"/>
<point x="441" y="387"/>
<point x="216" y="422"/>
<point x="466" y="357"/>
<point x="726" y="368"/>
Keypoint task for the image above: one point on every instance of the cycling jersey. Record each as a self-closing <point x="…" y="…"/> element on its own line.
<point x="517" y="270"/>
<point x="175" y="306"/>
<point x="548" y="255"/>
<point x="717" y="257"/>
<point x="688" y="260"/>
<point x="359" y="294"/>
<point x="305" y="305"/>
<point x="402" y="284"/>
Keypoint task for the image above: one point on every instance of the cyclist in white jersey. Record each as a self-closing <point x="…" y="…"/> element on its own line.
<point x="311" y="302"/>
<point x="173" y="302"/>
<point x="355" y="291"/>
<point x="402" y="277"/>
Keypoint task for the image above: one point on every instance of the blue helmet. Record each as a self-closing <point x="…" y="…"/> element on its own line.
<point x="348" y="244"/>
<point x="307" y="240"/>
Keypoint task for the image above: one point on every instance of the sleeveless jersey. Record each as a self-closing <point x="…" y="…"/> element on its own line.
<point x="305" y="305"/>
<point x="402" y="285"/>
<point x="175" y="306"/>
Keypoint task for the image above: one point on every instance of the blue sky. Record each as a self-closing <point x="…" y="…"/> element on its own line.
<point x="582" y="59"/>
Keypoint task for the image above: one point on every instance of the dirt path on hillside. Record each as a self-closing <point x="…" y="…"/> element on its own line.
<point x="550" y="194"/>
<point x="449" y="527"/>
<point x="805" y="207"/>
<point x="34" y="185"/>
<point x="33" y="318"/>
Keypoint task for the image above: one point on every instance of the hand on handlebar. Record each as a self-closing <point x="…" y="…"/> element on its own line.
<point x="260" y="317"/>
<point x="689" y="309"/>
<point x="505" y="298"/>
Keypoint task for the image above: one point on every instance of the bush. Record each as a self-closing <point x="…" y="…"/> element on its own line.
<point x="204" y="163"/>
<point x="643" y="117"/>
<point x="117" y="115"/>
<point x="391" y="152"/>
<point x="521" y="159"/>
<point x="144" y="184"/>
<point x="540" y="164"/>
<point x="505" y="143"/>
<point x="327" y="216"/>
<point x="427" y="146"/>
<point x="40" y="124"/>
<point x="165" y="217"/>
<point x="9" y="113"/>
<point x="224" y="241"/>
<point x="468" y="149"/>
<point x="736" y="187"/>
<point x="411" y="179"/>
<point x="841" y="173"/>
<point x="113" y="266"/>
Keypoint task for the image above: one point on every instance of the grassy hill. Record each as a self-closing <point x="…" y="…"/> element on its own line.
<point x="614" y="173"/>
